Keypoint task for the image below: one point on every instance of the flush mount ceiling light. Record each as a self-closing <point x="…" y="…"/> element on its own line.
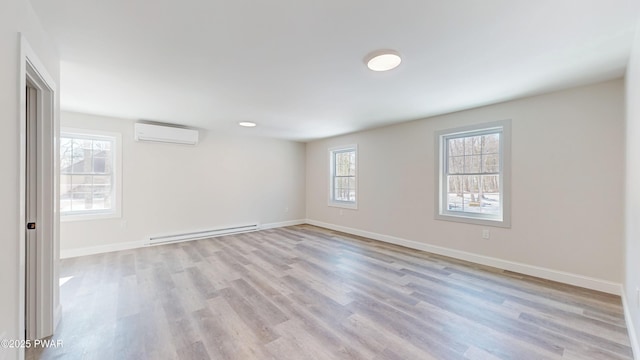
<point x="383" y="60"/>
<point x="247" y="124"/>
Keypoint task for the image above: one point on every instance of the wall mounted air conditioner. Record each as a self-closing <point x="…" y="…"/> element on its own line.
<point x="165" y="134"/>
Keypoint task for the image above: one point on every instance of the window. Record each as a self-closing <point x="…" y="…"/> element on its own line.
<point x="89" y="184"/>
<point x="343" y="188"/>
<point x="473" y="174"/>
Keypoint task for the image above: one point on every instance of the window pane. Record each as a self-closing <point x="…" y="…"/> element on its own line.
<point x="102" y="180"/>
<point x="82" y="154"/>
<point x="65" y="185"/>
<point x="491" y="184"/>
<point x="454" y="193"/>
<point x="491" y="144"/>
<point x="81" y="200"/>
<point x="352" y="188"/>
<point x="79" y="182"/>
<point x="341" y="168"/>
<point x="352" y="163"/>
<point x="100" y="165"/>
<point x="66" y="153"/>
<point x="102" y="156"/>
<point x="491" y="195"/>
<point x="66" y="194"/>
<point x="474" y="194"/>
<point x="77" y="160"/>
<point x="491" y="163"/>
<point x="101" y="192"/>
<point x="101" y="152"/>
<point x="472" y="164"/>
<point x="467" y="146"/>
<point x="345" y="163"/>
<point x="472" y="145"/>
<point x="456" y="147"/>
<point x="338" y="192"/>
<point x="65" y="204"/>
<point x="101" y="145"/>
<point x="343" y="190"/>
<point x="456" y="165"/>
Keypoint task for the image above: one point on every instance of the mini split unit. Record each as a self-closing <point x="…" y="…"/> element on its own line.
<point x="165" y="134"/>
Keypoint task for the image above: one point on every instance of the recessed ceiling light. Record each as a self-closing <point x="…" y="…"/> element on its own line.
<point x="383" y="60"/>
<point x="247" y="124"/>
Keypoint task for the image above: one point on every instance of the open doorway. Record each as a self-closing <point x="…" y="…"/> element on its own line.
<point x="38" y="275"/>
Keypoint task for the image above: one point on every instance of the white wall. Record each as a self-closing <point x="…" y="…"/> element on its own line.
<point x="171" y="189"/>
<point x="632" y="209"/>
<point x="15" y="16"/>
<point x="567" y="188"/>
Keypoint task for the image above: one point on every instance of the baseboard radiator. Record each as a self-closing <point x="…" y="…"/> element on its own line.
<point x="166" y="239"/>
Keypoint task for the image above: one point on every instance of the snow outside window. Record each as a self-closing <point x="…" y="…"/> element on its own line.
<point x="473" y="183"/>
<point x="343" y="177"/>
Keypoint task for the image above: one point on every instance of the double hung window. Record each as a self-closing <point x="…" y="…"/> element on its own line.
<point x="88" y="181"/>
<point x="473" y="183"/>
<point x="343" y="178"/>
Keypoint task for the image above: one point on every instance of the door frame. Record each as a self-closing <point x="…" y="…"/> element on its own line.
<point x="48" y="309"/>
<point x="31" y="240"/>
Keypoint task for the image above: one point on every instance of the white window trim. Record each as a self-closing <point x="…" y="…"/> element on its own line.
<point x="116" y="212"/>
<point x="342" y="204"/>
<point x="441" y="212"/>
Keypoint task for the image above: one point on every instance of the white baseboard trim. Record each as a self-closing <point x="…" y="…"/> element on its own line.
<point x="633" y="337"/>
<point x="531" y="270"/>
<point x="92" y="250"/>
<point x="282" y="224"/>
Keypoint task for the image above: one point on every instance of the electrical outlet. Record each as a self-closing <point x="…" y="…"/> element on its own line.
<point x="485" y="234"/>
<point x="286" y="209"/>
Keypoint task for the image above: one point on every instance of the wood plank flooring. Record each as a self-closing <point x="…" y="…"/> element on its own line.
<point x="304" y="292"/>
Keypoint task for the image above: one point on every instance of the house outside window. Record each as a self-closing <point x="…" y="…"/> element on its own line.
<point x="474" y="174"/>
<point x="343" y="177"/>
<point x="89" y="174"/>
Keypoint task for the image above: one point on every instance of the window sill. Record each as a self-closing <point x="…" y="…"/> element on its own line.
<point x="87" y="217"/>
<point x="504" y="223"/>
<point x="345" y="205"/>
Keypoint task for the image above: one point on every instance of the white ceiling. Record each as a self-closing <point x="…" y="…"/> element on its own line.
<point x="296" y="66"/>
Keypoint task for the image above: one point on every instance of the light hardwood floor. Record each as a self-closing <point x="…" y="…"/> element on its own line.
<point x="304" y="292"/>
